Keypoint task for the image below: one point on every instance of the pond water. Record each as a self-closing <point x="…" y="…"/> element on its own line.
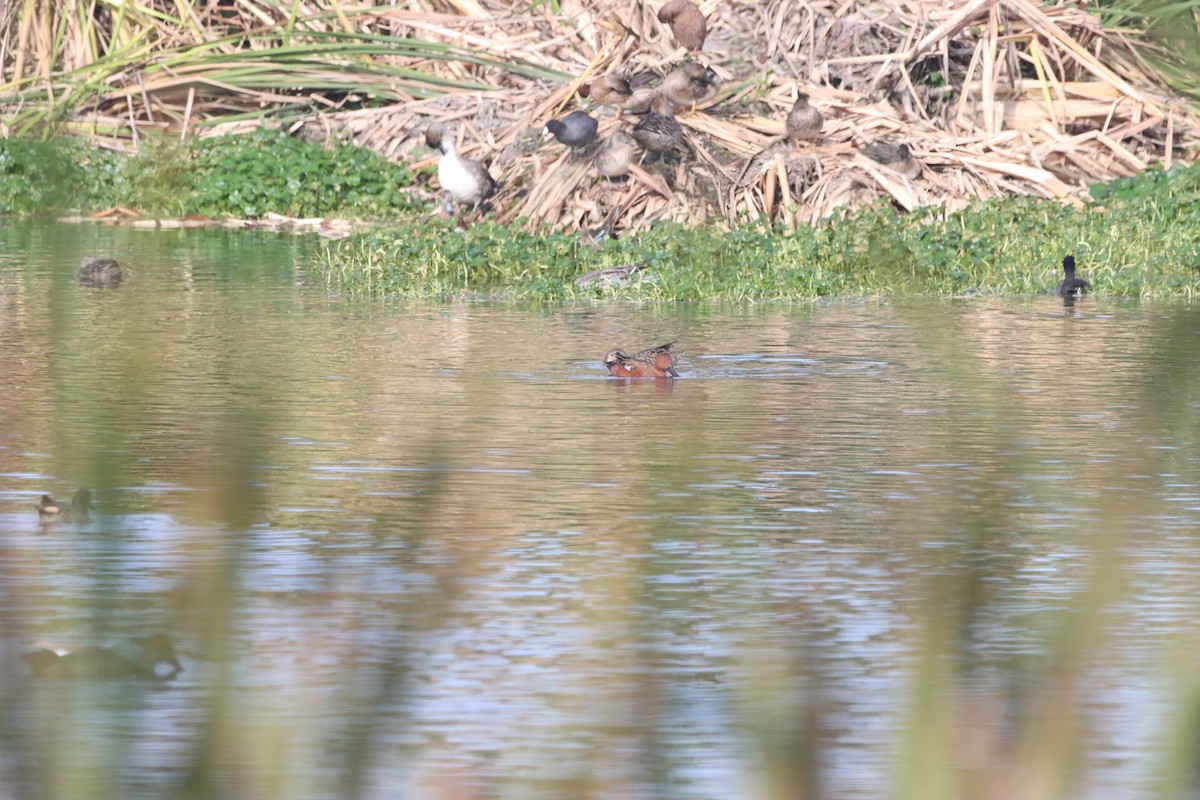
<point x="873" y="549"/>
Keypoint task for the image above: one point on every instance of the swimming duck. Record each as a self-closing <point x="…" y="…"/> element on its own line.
<point x="687" y="22"/>
<point x="615" y="155"/>
<point x="898" y="157"/>
<point x="690" y="85"/>
<point x="156" y="660"/>
<point x="577" y="129"/>
<point x="79" y="511"/>
<point x="658" y="132"/>
<point x="803" y="121"/>
<point x="463" y="180"/>
<point x="99" y="272"/>
<point x="1071" y="287"/>
<point x="656" y="362"/>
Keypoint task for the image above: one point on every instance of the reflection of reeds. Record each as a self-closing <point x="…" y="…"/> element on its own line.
<point x="610" y="564"/>
<point x="992" y="98"/>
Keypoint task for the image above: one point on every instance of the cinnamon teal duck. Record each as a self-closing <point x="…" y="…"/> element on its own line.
<point x="658" y="132"/>
<point x="1071" y="287"/>
<point x="79" y="510"/>
<point x="803" y="121"/>
<point x="99" y="272"/>
<point x="463" y="180"/>
<point x="156" y="659"/>
<point x="687" y="22"/>
<point x="690" y="85"/>
<point x="656" y="362"/>
<point x="575" y="130"/>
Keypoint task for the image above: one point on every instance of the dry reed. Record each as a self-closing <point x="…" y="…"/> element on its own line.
<point x="993" y="97"/>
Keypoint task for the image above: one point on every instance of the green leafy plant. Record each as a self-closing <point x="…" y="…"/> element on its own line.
<point x="247" y="176"/>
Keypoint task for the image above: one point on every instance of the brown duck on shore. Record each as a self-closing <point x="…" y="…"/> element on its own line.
<point x="50" y="510"/>
<point x="897" y="157"/>
<point x="463" y="180"/>
<point x="687" y="22"/>
<point x="615" y="155"/>
<point x="690" y="85"/>
<point x="658" y="132"/>
<point x="803" y="121"/>
<point x="102" y="273"/>
<point x="626" y="94"/>
<point x="607" y="90"/>
<point x="155" y="660"/>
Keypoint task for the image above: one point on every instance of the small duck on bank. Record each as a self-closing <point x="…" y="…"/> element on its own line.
<point x="629" y="94"/>
<point x="615" y="156"/>
<point x="463" y="180"/>
<point x="103" y="273"/>
<point x="1070" y="287"/>
<point x="656" y="362"/>
<point x="50" y="510"/>
<point x="658" y="132"/>
<point x="897" y="157"/>
<point x="803" y="122"/>
<point x="575" y="130"/>
<point x="690" y="85"/>
<point x="687" y="22"/>
<point x="156" y="660"/>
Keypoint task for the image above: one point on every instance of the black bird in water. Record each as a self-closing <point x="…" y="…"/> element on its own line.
<point x="1071" y="287"/>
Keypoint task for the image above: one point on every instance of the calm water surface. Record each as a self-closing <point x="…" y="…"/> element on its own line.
<point x="433" y="551"/>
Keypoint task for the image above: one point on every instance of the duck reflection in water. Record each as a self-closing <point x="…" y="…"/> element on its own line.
<point x="99" y="273"/>
<point x="50" y="510"/>
<point x="156" y="660"/>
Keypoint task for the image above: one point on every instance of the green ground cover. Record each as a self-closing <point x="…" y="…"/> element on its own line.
<point x="1139" y="237"/>
<point x="227" y="176"/>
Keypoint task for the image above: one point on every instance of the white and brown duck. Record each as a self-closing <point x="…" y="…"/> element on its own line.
<point x="463" y="180"/>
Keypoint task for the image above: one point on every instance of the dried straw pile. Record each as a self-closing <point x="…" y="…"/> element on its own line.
<point x="993" y="97"/>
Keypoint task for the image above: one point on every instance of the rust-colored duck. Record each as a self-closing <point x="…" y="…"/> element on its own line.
<point x="656" y="362"/>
